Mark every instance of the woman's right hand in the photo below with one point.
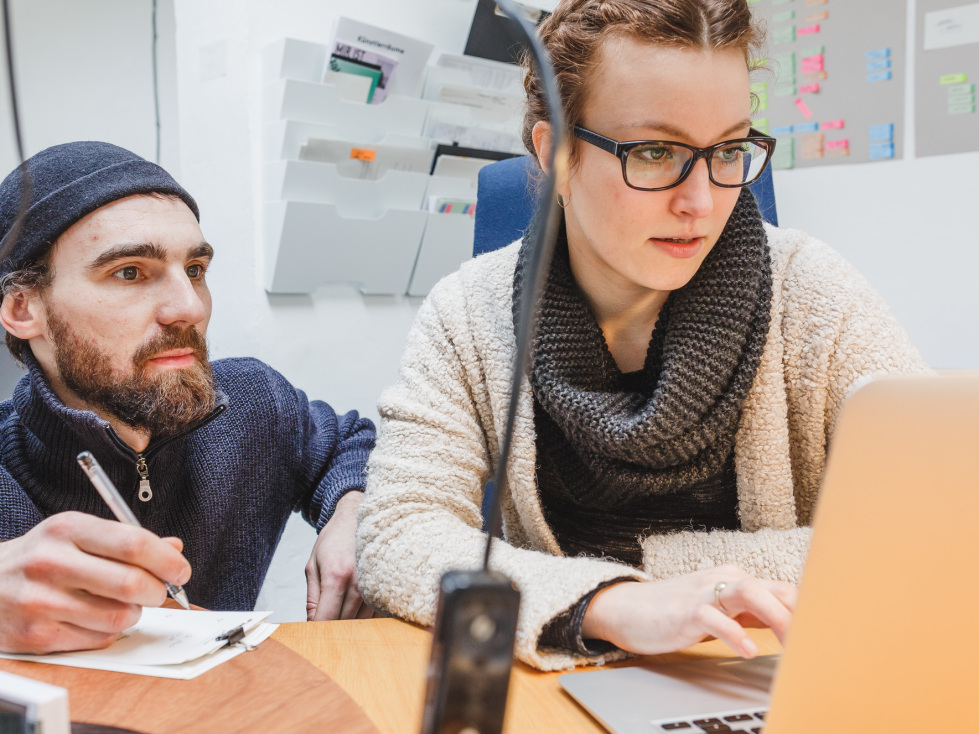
(655, 617)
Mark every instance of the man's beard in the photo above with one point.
(163, 405)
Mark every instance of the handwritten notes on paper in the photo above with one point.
(168, 643)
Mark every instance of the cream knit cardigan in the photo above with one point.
(441, 424)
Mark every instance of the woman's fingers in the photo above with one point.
(712, 621)
(747, 598)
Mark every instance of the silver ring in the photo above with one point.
(717, 597)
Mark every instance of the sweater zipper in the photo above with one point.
(145, 493)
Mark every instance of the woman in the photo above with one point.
(689, 366)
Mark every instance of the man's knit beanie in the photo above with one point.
(68, 182)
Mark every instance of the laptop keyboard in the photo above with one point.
(745, 722)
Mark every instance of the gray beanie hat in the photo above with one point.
(68, 182)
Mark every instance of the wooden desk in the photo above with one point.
(381, 664)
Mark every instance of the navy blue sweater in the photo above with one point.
(226, 488)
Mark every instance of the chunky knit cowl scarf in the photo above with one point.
(676, 432)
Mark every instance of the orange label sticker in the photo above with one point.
(362, 154)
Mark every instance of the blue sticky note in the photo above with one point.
(881, 53)
(807, 127)
(880, 76)
(784, 130)
(884, 131)
(878, 65)
(879, 151)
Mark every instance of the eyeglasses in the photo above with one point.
(655, 165)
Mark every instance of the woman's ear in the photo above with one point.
(21, 314)
(543, 140)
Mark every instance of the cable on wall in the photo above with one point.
(156, 83)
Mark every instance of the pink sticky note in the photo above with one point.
(807, 30)
(832, 125)
(813, 65)
(809, 88)
(814, 59)
(843, 143)
(803, 108)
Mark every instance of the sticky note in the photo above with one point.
(803, 108)
(811, 146)
(881, 53)
(814, 76)
(882, 131)
(760, 123)
(837, 148)
(362, 154)
(807, 67)
(809, 88)
(879, 76)
(762, 103)
(759, 87)
(816, 17)
(807, 30)
(878, 64)
(807, 127)
(786, 61)
(961, 89)
(784, 35)
(810, 3)
(841, 143)
(813, 51)
(783, 16)
(785, 90)
(957, 99)
(954, 79)
(832, 125)
(780, 2)
(961, 109)
(879, 151)
(782, 130)
(784, 156)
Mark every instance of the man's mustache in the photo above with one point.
(172, 337)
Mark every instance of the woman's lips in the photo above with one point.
(684, 248)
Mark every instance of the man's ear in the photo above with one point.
(22, 315)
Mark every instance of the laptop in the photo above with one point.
(885, 636)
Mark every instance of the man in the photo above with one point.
(105, 301)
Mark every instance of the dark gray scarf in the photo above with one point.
(679, 431)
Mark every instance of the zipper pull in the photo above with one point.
(145, 493)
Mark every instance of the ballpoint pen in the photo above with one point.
(121, 510)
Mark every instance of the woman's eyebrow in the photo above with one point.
(678, 133)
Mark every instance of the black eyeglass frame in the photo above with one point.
(621, 151)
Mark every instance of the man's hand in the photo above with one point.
(75, 581)
(331, 574)
(663, 616)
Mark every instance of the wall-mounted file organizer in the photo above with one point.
(358, 220)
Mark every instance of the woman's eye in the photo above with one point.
(653, 153)
(130, 272)
(730, 155)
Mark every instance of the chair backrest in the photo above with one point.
(507, 198)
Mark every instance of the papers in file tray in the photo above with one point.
(171, 643)
(366, 161)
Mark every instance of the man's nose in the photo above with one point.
(181, 303)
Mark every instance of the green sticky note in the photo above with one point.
(757, 63)
(780, 2)
(761, 123)
(785, 90)
(961, 89)
(955, 100)
(954, 79)
(783, 16)
(814, 51)
(786, 61)
(962, 109)
(759, 87)
(785, 34)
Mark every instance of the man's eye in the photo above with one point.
(130, 272)
(195, 271)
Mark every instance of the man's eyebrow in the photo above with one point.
(144, 250)
(202, 250)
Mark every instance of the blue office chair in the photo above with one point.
(507, 200)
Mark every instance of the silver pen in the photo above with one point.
(121, 510)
